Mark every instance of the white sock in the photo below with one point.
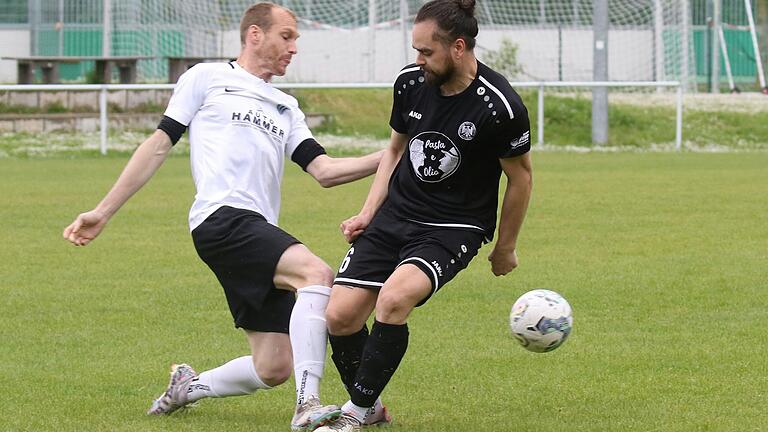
(357, 412)
(237, 377)
(308, 339)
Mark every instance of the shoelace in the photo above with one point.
(344, 420)
(308, 404)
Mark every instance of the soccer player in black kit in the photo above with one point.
(456, 126)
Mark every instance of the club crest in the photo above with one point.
(467, 131)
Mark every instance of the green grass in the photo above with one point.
(58, 108)
(75, 145)
(567, 123)
(567, 120)
(365, 113)
(662, 257)
(354, 111)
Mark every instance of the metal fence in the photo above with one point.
(540, 86)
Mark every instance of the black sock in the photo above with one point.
(346, 352)
(383, 351)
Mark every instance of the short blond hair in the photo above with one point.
(259, 15)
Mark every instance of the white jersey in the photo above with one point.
(241, 129)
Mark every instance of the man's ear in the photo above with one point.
(254, 34)
(458, 48)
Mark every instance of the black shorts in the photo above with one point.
(243, 249)
(388, 242)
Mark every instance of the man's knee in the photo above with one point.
(341, 321)
(271, 355)
(274, 372)
(317, 272)
(299, 267)
(393, 308)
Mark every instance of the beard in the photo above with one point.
(439, 78)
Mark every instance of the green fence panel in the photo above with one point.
(740, 52)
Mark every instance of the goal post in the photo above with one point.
(755, 46)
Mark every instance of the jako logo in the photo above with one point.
(363, 390)
(415, 115)
(437, 267)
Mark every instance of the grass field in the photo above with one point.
(662, 256)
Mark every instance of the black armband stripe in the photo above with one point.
(173, 128)
(306, 152)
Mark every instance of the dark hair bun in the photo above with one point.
(468, 6)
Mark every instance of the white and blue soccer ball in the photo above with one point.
(541, 320)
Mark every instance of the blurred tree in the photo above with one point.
(504, 60)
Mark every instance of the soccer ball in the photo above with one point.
(541, 320)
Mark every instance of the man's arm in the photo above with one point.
(352, 227)
(519, 174)
(140, 168)
(329, 171)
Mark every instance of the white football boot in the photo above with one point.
(312, 414)
(175, 395)
(346, 423)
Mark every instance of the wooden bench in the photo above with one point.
(179, 65)
(49, 66)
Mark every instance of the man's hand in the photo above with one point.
(85, 228)
(502, 261)
(353, 227)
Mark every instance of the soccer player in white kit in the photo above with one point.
(241, 130)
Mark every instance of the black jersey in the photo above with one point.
(449, 173)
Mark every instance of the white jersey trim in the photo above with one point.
(413, 69)
(503, 99)
(358, 281)
(446, 225)
(423, 261)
